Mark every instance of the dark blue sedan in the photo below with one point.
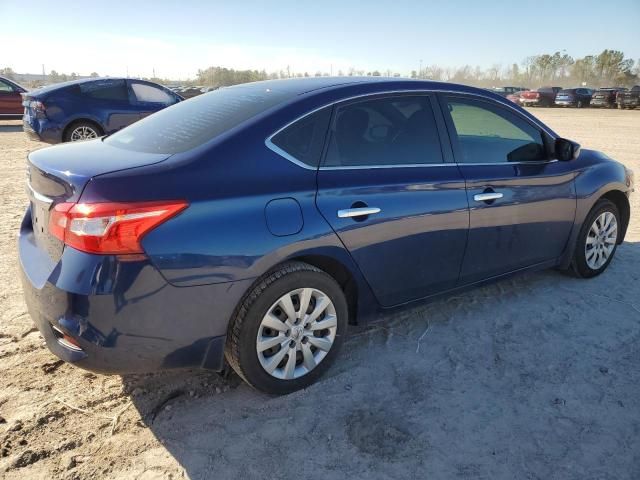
(254, 223)
(89, 108)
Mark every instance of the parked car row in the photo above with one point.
(90, 108)
(581, 97)
(82, 109)
(190, 92)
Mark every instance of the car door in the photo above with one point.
(393, 196)
(106, 99)
(10, 100)
(522, 203)
(148, 99)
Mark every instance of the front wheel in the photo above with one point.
(597, 240)
(288, 329)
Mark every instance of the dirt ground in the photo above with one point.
(533, 377)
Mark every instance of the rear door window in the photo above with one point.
(387, 131)
(112, 90)
(302, 141)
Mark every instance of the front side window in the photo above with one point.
(112, 90)
(388, 131)
(149, 94)
(303, 140)
(490, 134)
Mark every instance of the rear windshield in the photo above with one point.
(191, 123)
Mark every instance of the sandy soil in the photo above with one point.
(533, 377)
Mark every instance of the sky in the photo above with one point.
(175, 39)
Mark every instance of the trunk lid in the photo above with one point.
(59, 174)
(530, 95)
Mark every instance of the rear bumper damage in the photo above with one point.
(112, 315)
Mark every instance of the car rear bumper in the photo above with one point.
(123, 316)
(566, 103)
(41, 130)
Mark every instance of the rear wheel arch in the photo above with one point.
(79, 121)
(340, 274)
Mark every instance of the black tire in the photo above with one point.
(88, 124)
(579, 265)
(240, 349)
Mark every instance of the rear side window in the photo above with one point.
(149, 94)
(303, 140)
(490, 134)
(388, 131)
(5, 87)
(113, 90)
(189, 124)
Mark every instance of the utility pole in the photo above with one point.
(44, 75)
(420, 71)
(127, 71)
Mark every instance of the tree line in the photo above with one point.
(608, 68)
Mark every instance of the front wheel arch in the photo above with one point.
(621, 201)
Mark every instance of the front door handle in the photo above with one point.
(487, 197)
(358, 212)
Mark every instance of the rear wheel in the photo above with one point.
(597, 240)
(82, 130)
(288, 329)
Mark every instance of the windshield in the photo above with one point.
(191, 123)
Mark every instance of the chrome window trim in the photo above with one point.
(374, 167)
(271, 146)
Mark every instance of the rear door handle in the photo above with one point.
(485, 197)
(358, 212)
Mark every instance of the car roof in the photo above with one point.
(56, 86)
(293, 87)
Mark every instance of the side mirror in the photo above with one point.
(566, 150)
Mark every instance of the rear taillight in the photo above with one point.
(109, 228)
(38, 108)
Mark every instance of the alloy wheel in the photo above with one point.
(601, 240)
(83, 133)
(296, 333)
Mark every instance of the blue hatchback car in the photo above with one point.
(254, 223)
(89, 108)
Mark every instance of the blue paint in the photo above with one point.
(250, 209)
(283, 217)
